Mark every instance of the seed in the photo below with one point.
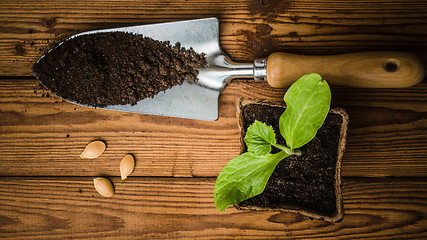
(126, 166)
(93, 150)
(103, 186)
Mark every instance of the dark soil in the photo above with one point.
(115, 68)
(307, 180)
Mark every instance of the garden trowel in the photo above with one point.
(200, 100)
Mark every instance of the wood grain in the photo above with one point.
(44, 136)
(249, 29)
(46, 190)
(365, 70)
(166, 208)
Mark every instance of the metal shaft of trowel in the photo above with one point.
(222, 70)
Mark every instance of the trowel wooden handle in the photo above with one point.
(367, 69)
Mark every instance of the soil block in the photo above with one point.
(115, 68)
(309, 184)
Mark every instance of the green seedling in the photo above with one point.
(307, 105)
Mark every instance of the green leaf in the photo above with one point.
(244, 177)
(307, 105)
(259, 138)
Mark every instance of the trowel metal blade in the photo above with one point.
(200, 34)
(189, 100)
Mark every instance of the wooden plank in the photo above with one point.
(42, 136)
(166, 208)
(249, 29)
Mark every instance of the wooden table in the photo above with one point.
(46, 189)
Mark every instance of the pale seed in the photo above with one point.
(103, 186)
(126, 166)
(93, 150)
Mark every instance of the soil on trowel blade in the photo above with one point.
(115, 68)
